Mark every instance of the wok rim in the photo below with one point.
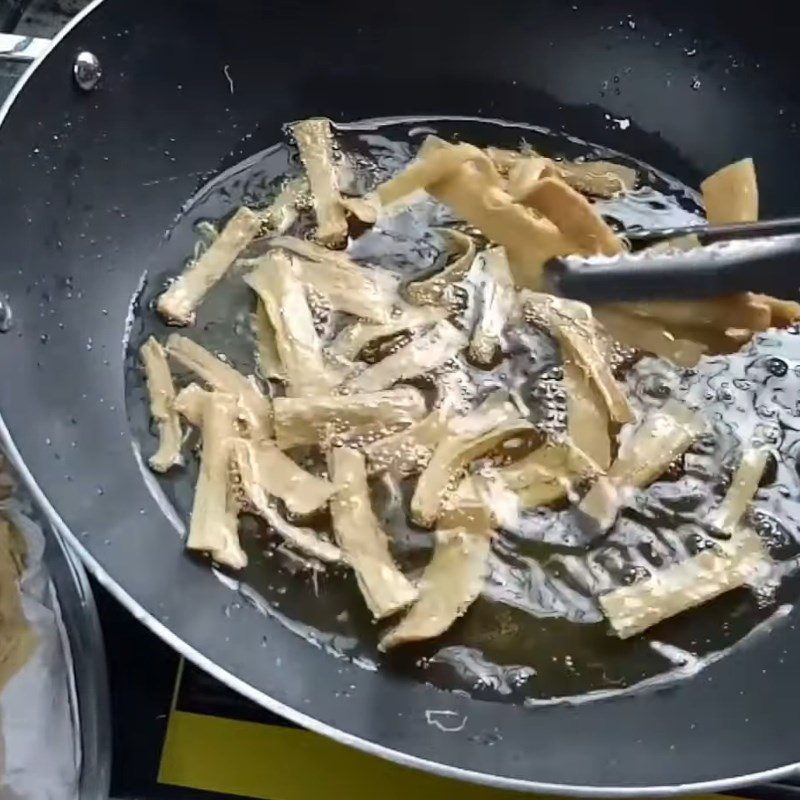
(264, 700)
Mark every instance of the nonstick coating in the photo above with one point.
(90, 182)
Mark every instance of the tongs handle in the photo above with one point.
(709, 234)
(773, 269)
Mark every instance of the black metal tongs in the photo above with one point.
(773, 268)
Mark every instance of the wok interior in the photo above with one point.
(536, 634)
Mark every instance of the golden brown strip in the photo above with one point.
(734, 311)
(425, 352)
(277, 284)
(257, 465)
(190, 402)
(431, 290)
(315, 144)
(529, 241)
(574, 216)
(663, 435)
(465, 179)
(269, 359)
(587, 416)
(365, 209)
(596, 178)
(546, 475)
(214, 521)
(253, 407)
(728, 514)
(354, 338)
(408, 451)
(632, 609)
(364, 544)
(497, 303)
(282, 212)
(178, 303)
(279, 476)
(309, 420)
(370, 293)
(649, 335)
(18, 640)
(162, 406)
(436, 160)
(525, 174)
(449, 585)
(573, 325)
(731, 193)
(467, 439)
(782, 312)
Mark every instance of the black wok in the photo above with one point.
(90, 181)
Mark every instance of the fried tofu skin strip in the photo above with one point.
(190, 402)
(254, 408)
(666, 593)
(277, 474)
(436, 160)
(467, 439)
(525, 173)
(315, 144)
(574, 216)
(162, 406)
(178, 303)
(595, 178)
(431, 291)
(354, 338)
(663, 435)
(449, 585)
(365, 209)
(282, 212)
(727, 516)
(214, 522)
(718, 313)
(782, 312)
(731, 194)
(505, 160)
(269, 469)
(573, 325)
(587, 416)
(369, 293)
(408, 451)
(497, 303)
(278, 286)
(718, 325)
(481, 501)
(547, 474)
(301, 421)
(649, 335)
(257, 465)
(467, 181)
(269, 360)
(530, 241)
(423, 353)
(364, 544)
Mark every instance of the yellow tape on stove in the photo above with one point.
(267, 762)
